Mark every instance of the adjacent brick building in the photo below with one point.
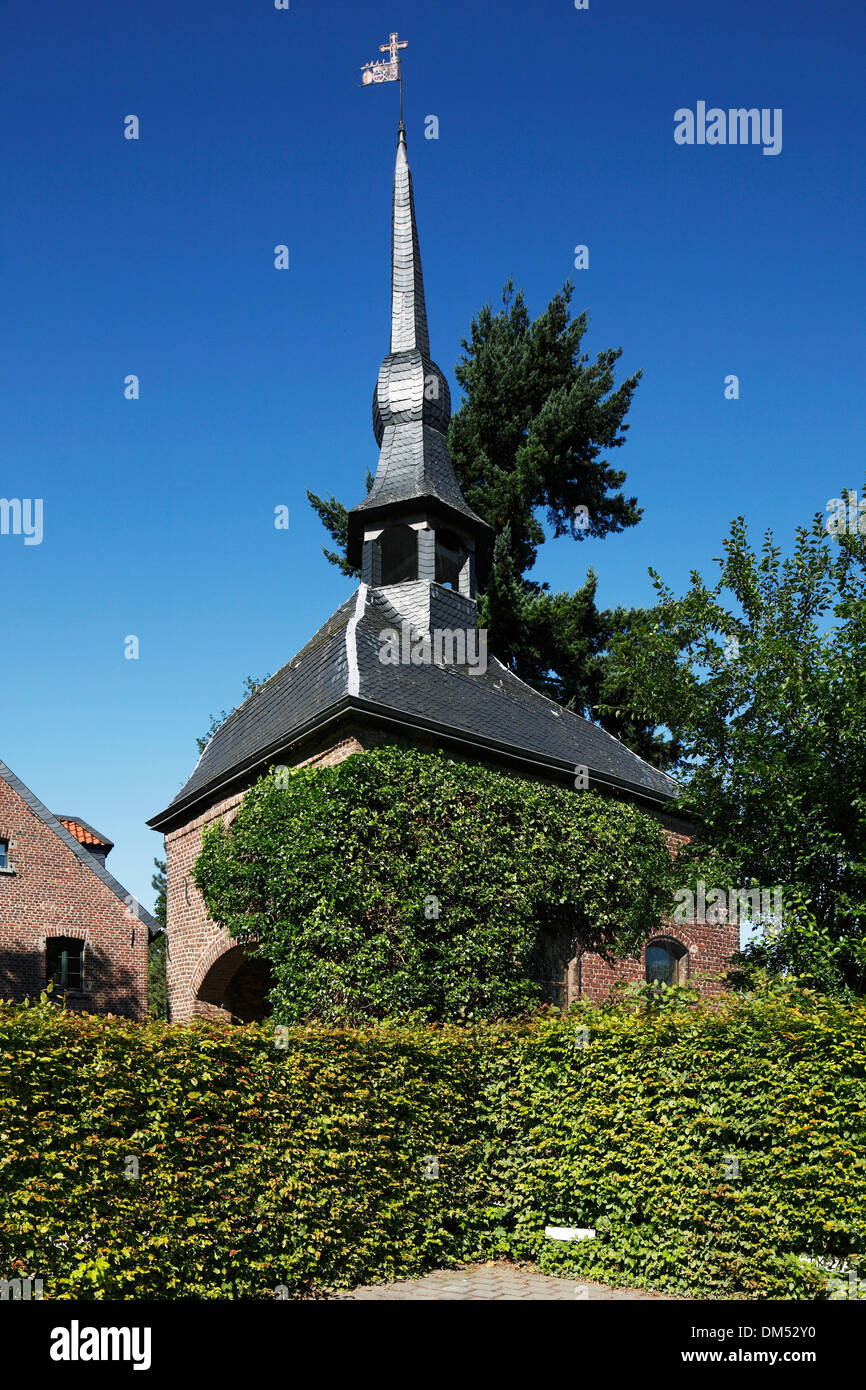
(64, 920)
(419, 547)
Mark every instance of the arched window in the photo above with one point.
(666, 962)
(398, 550)
(451, 556)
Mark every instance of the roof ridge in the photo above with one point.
(354, 683)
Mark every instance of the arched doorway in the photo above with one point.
(238, 982)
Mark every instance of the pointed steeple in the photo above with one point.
(415, 482)
(408, 310)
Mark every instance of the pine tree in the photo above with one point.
(528, 442)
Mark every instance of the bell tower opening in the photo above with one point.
(451, 560)
(398, 555)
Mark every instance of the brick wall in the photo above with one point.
(708, 948)
(52, 893)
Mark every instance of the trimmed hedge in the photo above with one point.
(709, 1147)
(307, 1165)
(258, 1165)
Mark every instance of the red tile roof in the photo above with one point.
(84, 833)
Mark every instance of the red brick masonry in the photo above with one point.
(49, 891)
(709, 947)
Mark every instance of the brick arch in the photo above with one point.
(232, 979)
(668, 932)
(208, 958)
(668, 936)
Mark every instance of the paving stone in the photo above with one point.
(491, 1282)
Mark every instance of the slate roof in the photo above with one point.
(94, 864)
(339, 671)
(411, 402)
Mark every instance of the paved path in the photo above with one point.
(493, 1281)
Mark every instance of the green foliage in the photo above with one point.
(157, 992)
(335, 519)
(258, 1166)
(709, 1145)
(762, 680)
(158, 884)
(302, 1165)
(536, 418)
(400, 883)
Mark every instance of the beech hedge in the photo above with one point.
(710, 1144)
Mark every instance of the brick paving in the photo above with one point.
(491, 1282)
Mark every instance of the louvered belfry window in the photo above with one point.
(451, 556)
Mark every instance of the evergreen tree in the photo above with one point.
(528, 445)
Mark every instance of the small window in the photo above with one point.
(398, 550)
(451, 556)
(4, 854)
(64, 960)
(666, 963)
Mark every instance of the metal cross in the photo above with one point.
(392, 46)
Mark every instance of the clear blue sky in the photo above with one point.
(155, 257)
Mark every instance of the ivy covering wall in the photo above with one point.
(401, 883)
(710, 1144)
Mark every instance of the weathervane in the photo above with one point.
(387, 69)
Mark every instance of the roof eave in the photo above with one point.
(179, 813)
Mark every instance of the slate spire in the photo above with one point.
(408, 309)
(412, 402)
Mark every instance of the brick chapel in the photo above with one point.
(417, 544)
